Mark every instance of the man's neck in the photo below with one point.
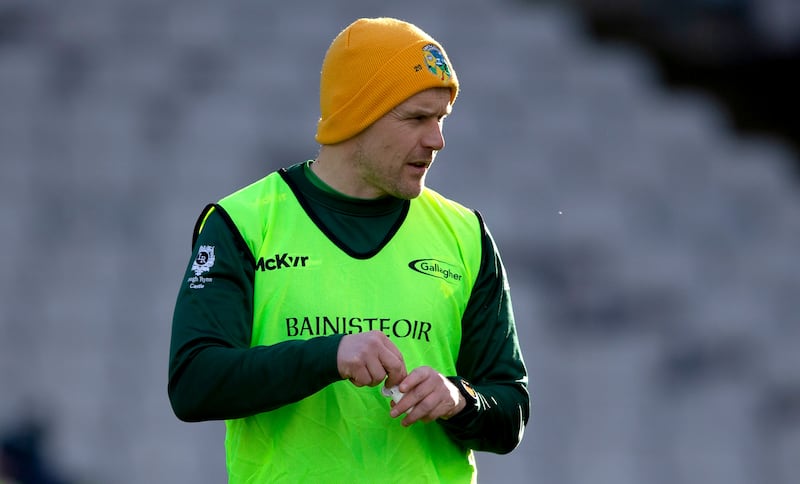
(333, 167)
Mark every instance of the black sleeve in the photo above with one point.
(490, 359)
(213, 372)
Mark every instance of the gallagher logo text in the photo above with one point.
(436, 268)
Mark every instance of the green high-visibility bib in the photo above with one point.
(414, 290)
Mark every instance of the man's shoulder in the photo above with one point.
(430, 195)
(260, 189)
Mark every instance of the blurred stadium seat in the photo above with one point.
(652, 249)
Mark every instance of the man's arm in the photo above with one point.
(491, 362)
(213, 372)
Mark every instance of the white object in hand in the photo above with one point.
(394, 393)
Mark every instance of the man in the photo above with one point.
(325, 286)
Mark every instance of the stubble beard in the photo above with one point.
(390, 183)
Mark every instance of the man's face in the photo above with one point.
(393, 155)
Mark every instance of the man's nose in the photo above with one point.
(434, 137)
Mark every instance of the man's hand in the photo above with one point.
(428, 395)
(367, 359)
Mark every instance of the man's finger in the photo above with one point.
(395, 368)
(377, 372)
(393, 363)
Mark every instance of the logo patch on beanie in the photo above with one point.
(435, 61)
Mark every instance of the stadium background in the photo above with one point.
(635, 159)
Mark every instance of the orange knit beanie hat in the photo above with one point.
(372, 66)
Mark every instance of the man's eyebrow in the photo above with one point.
(433, 112)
